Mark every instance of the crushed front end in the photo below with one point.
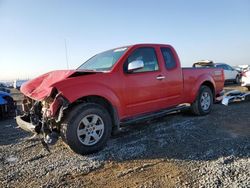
(43, 105)
(42, 117)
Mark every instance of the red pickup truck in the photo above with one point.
(114, 88)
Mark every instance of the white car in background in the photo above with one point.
(245, 79)
(230, 73)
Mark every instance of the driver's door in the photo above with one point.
(144, 91)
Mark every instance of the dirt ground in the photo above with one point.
(178, 150)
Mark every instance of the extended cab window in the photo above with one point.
(169, 59)
(145, 54)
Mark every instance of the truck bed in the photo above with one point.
(191, 77)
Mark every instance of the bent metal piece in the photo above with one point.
(233, 96)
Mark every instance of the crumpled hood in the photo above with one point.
(40, 87)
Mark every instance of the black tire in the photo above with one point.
(248, 87)
(196, 107)
(70, 128)
(237, 79)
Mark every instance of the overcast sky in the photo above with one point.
(32, 33)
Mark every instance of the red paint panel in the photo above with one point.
(131, 94)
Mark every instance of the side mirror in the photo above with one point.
(134, 65)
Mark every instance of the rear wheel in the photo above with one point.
(87, 128)
(237, 79)
(204, 101)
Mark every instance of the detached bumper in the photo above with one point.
(24, 124)
(220, 96)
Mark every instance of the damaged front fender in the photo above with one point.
(52, 107)
(58, 106)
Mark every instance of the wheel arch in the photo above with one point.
(105, 103)
(203, 80)
(210, 85)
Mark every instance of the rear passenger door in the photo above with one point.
(173, 82)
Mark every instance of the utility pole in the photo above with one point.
(66, 53)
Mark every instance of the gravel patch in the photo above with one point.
(228, 171)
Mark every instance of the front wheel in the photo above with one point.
(86, 128)
(204, 101)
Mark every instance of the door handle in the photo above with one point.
(160, 77)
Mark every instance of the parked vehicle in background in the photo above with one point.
(230, 73)
(7, 105)
(245, 80)
(4, 88)
(204, 64)
(18, 83)
(9, 84)
(114, 88)
(241, 68)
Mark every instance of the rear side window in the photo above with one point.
(169, 59)
(220, 66)
(229, 68)
(148, 56)
(225, 67)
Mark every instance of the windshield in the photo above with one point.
(103, 61)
